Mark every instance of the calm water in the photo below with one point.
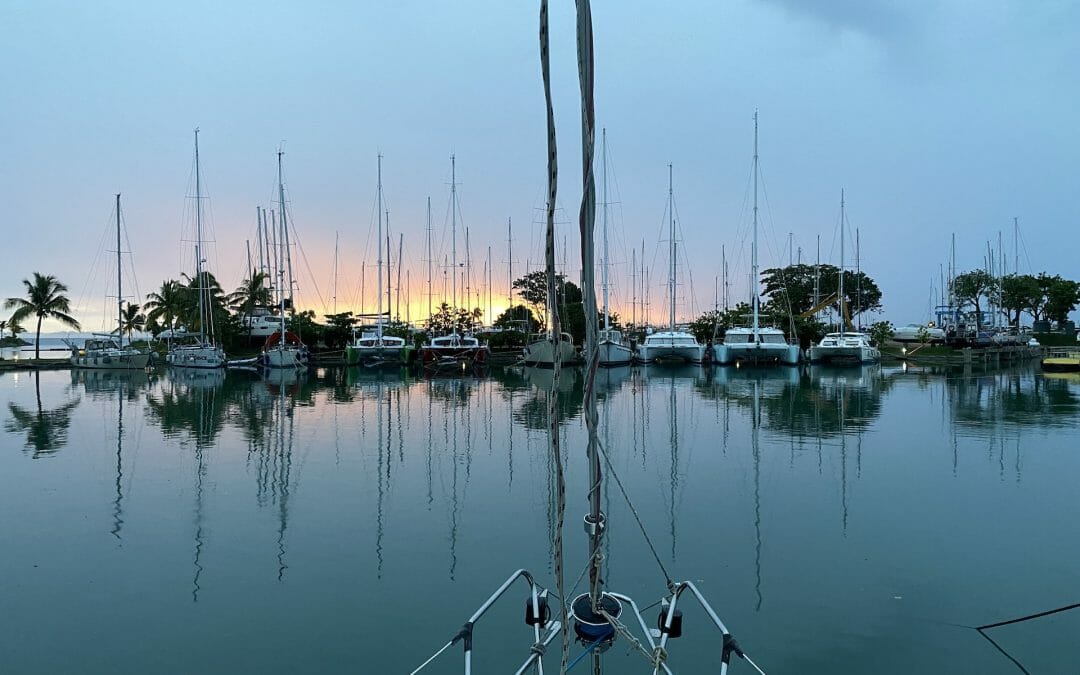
(842, 521)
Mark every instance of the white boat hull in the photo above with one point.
(676, 347)
(852, 355)
(122, 359)
(613, 354)
(288, 357)
(541, 353)
(196, 357)
(761, 353)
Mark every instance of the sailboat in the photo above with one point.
(599, 616)
(373, 348)
(755, 344)
(454, 351)
(283, 349)
(198, 349)
(106, 351)
(848, 346)
(614, 348)
(672, 344)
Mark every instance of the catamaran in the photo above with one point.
(672, 344)
(846, 346)
(198, 349)
(373, 347)
(755, 344)
(107, 351)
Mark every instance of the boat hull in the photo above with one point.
(196, 357)
(760, 354)
(541, 353)
(287, 357)
(844, 355)
(658, 352)
(377, 356)
(121, 360)
(613, 354)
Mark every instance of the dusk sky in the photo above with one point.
(942, 117)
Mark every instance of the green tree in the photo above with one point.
(253, 292)
(131, 319)
(971, 287)
(881, 332)
(1019, 293)
(166, 305)
(518, 317)
(1062, 297)
(448, 320)
(791, 289)
(44, 299)
(338, 329)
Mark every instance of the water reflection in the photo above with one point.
(46, 429)
(533, 412)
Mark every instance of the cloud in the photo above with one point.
(886, 20)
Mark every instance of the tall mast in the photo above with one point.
(491, 319)
(397, 305)
(723, 267)
(453, 234)
(1016, 245)
(378, 259)
(198, 246)
(259, 235)
(671, 265)
(266, 242)
(510, 263)
(858, 277)
(389, 266)
(429, 256)
(754, 263)
(644, 282)
(840, 284)
(633, 287)
(119, 280)
(603, 151)
(335, 269)
(282, 245)
(817, 274)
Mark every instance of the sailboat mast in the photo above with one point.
(283, 243)
(198, 246)
(378, 259)
(671, 235)
(510, 263)
(119, 280)
(633, 287)
(840, 283)
(603, 151)
(453, 235)
(754, 261)
(397, 302)
(723, 267)
(429, 257)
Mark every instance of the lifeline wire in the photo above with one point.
(1008, 622)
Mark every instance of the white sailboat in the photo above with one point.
(756, 344)
(614, 349)
(847, 347)
(372, 347)
(107, 351)
(283, 349)
(672, 344)
(198, 349)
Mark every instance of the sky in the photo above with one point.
(936, 118)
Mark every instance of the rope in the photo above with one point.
(583, 654)
(1008, 622)
(549, 256)
(637, 518)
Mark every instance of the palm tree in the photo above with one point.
(131, 320)
(253, 292)
(166, 305)
(44, 299)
